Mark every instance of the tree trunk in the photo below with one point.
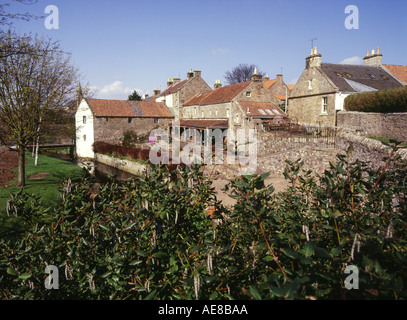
(37, 147)
(21, 166)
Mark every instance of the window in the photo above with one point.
(107, 119)
(349, 75)
(339, 75)
(195, 110)
(155, 120)
(309, 84)
(385, 77)
(371, 76)
(237, 118)
(227, 113)
(84, 119)
(129, 120)
(262, 111)
(248, 94)
(84, 137)
(324, 104)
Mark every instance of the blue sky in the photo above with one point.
(124, 45)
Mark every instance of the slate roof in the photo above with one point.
(261, 109)
(223, 94)
(204, 124)
(374, 77)
(125, 108)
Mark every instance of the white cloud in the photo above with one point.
(221, 51)
(352, 60)
(116, 90)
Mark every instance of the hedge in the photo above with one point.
(121, 151)
(383, 101)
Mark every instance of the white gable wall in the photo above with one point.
(85, 135)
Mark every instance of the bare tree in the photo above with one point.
(241, 73)
(6, 18)
(34, 85)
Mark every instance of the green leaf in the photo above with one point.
(159, 254)
(308, 250)
(256, 295)
(151, 296)
(293, 288)
(11, 271)
(24, 276)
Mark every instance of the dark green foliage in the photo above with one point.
(383, 101)
(154, 238)
(135, 96)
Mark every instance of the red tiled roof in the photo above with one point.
(399, 71)
(269, 83)
(154, 109)
(197, 98)
(173, 88)
(110, 108)
(223, 94)
(281, 96)
(261, 109)
(125, 108)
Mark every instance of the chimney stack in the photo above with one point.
(156, 92)
(314, 60)
(256, 76)
(374, 58)
(190, 74)
(218, 84)
(170, 82)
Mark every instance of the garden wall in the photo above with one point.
(388, 125)
(129, 166)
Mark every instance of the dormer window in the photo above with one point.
(371, 76)
(385, 77)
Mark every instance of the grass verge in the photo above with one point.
(53, 170)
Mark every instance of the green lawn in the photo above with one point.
(48, 187)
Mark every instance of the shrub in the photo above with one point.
(384, 101)
(157, 238)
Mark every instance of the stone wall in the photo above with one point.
(111, 129)
(273, 153)
(132, 167)
(388, 125)
(306, 99)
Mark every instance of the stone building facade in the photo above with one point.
(323, 87)
(178, 92)
(279, 88)
(243, 105)
(107, 120)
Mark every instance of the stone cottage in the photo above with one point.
(279, 88)
(178, 92)
(107, 120)
(245, 105)
(322, 88)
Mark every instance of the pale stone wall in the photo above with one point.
(306, 99)
(388, 125)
